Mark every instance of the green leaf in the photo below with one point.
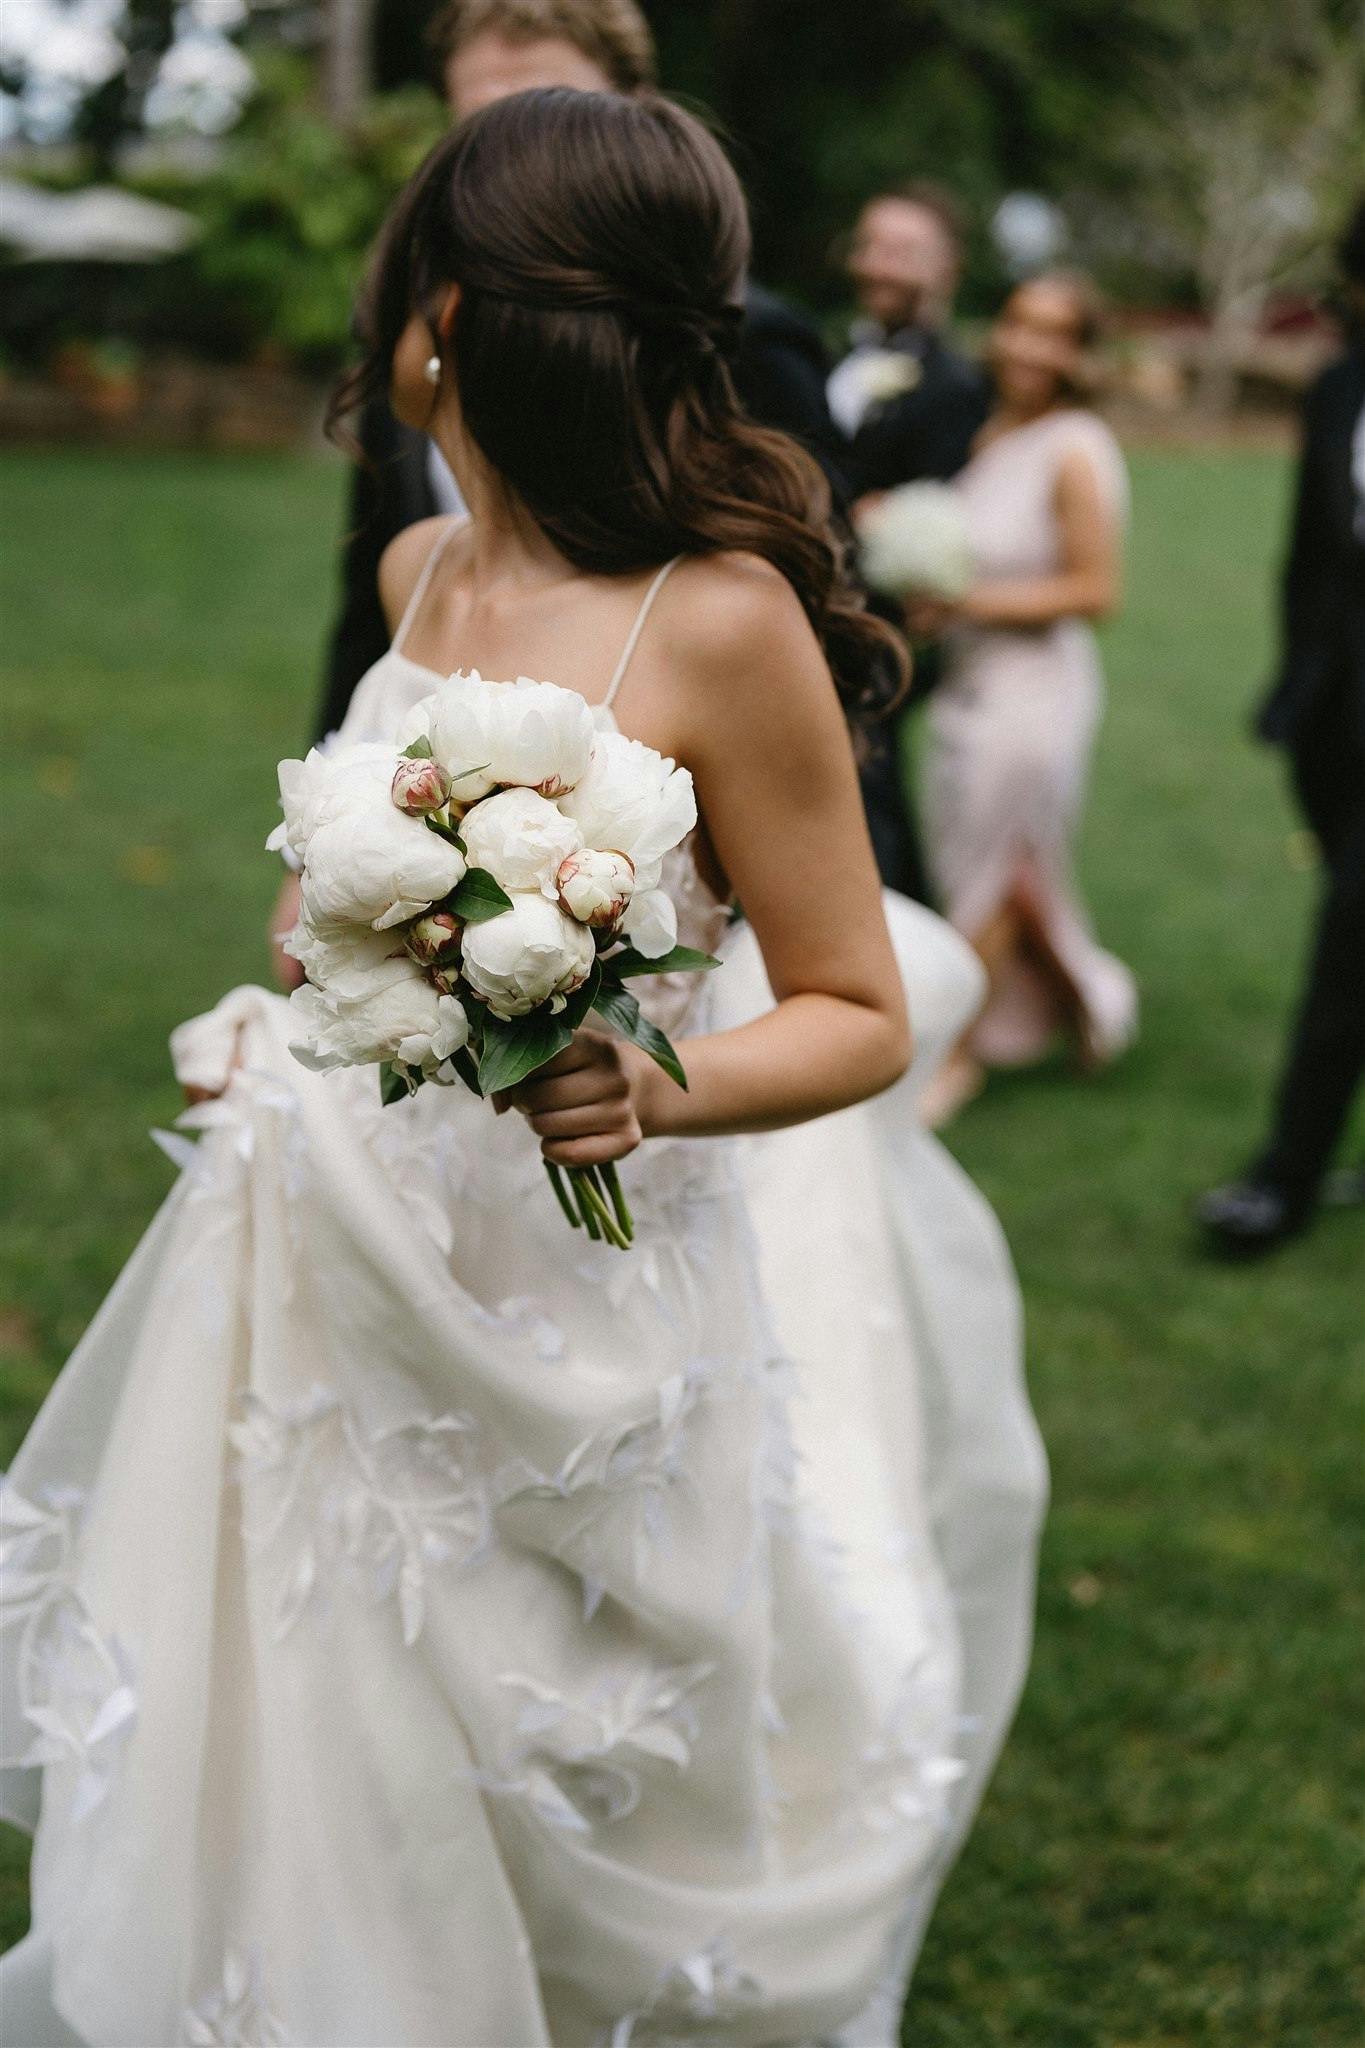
(467, 1067)
(420, 750)
(478, 898)
(623, 1013)
(682, 960)
(397, 1082)
(443, 829)
(513, 1050)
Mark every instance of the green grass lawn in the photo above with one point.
(1168, 1854)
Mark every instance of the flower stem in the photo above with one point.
(619, 1203)
(562, 1195)
(585, 1209)
(607, 1223)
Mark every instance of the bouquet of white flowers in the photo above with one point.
(471, 893)
(913, 543)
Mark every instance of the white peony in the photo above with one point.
(914, 543)
(595, 887)
(520, 838)
(633, 801)
(526, 956)
(371, 863)
(434, 938)
(521, 735)
(454, 720)
(406, 1020)
(316, 789)
(541, 736)
(420, 786)
(651, 924)
(350, 962)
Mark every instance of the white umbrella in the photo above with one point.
(99, 224)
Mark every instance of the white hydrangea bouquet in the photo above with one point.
(471, 893)
(912, 542)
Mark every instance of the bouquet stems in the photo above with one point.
(618, 1200)
(592, 1199)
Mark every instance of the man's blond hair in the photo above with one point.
(612, 34)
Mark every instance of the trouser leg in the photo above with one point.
(1327, 1053)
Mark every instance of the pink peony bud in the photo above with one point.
(420, 786)
(595, 887)
(432, 938)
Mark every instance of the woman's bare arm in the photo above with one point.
(1087, 585)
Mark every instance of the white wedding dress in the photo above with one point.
(428, 1629)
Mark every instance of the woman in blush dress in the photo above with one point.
(1013, 723)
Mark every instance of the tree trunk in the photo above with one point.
(347, 58)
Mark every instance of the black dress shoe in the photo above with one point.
(1250, 1217)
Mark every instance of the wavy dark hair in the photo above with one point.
(600, 244)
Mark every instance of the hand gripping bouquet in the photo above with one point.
(913, 542)
(471, 894)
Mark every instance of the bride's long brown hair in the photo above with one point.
(600, 245)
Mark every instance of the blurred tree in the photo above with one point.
(112, 111)
(823, 104)
(1244, 151)
(826, 104)
(292, 207)
(347, 58)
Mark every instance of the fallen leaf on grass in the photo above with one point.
(150, 866)
(18, 1332)
(57, 777)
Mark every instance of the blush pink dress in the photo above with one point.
(1012, 727)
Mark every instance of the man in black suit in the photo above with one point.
(909, 403)
(910, 406)
(1316, 712)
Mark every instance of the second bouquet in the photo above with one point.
(473, 893)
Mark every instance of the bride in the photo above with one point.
(429, 1629)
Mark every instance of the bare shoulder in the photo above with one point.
(1089, 456)
(402, 563)
(736, 613)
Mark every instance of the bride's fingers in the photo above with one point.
(598, 1150)
(584, 1119)
(586, 1051)
(595, 1083)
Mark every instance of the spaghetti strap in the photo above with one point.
(419, 588)
(646, 607)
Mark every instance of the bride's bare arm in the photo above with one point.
(761, 728)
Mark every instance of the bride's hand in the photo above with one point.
(586, 1106)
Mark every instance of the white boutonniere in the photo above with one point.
(889, 373)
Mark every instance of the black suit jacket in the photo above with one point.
(780, 371)
(925, 433)
(1323, 595)
(390, 491)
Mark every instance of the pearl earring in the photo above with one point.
(432, 370)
